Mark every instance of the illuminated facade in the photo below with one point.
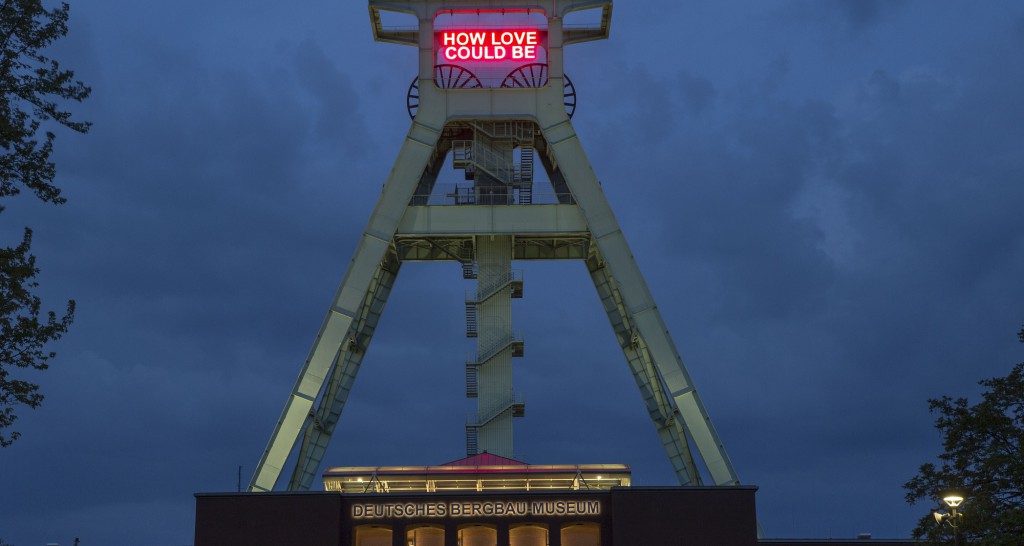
(619, 516)
(484, 472)
(509, 502)
(483, 500)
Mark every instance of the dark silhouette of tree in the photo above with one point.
(32, 89)
(983, 458)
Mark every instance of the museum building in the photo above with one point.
(487, 500)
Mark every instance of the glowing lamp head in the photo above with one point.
(952, 500)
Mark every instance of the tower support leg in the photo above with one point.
(320, 424)
(660, 366)
(330, 345)
(670, 428)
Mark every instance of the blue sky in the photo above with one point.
(824, 195)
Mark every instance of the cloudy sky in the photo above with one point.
(825, 197)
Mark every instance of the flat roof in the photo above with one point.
(381, 471)
(483, 463)
(483, 472)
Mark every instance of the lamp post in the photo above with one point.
(953, 500)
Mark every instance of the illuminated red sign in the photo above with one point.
(488, 49)
(489, 45)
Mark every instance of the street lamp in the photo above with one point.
(953, 500)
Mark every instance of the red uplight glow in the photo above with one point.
(489, 45)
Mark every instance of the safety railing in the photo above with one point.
(469, 194)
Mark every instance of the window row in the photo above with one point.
(472, 534)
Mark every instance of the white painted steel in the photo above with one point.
(670, 430)
(409, 166)
(637, 302)
(664, 383)
(320, 427)
(480, 219)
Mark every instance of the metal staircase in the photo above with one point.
(472, 439)
(513, 281)
(513, 403)
(526, 173)
(515, 341)
(501, 175)
(488, 159)
(473, 366)
(472, 384)
(468, 262)
(472, 329)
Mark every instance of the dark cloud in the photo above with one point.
(863, 13)
(698, 93)
(851, 16)
(339, 118)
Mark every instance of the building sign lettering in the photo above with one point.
(472, 509)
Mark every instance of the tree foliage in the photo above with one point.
(982, 456)
(22, 334)
(32, 89)
(32, 86)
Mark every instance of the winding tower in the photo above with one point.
(492, 94)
